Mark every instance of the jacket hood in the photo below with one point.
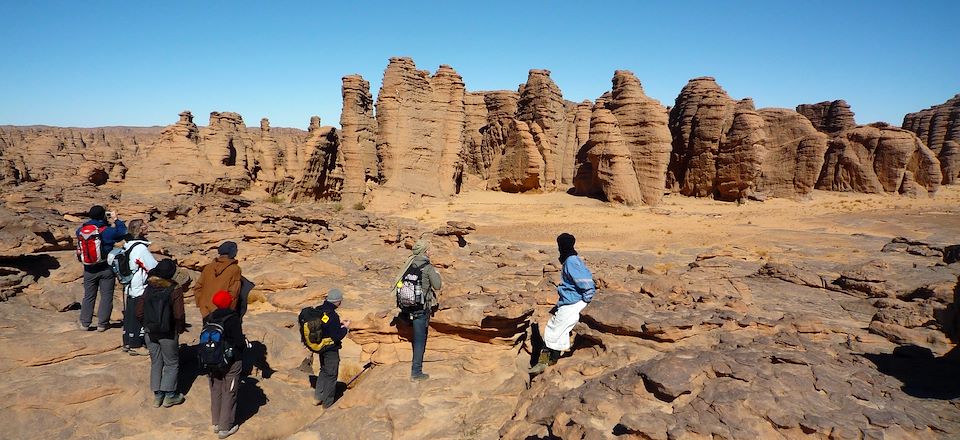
(156, 281)
(221, 264)
(419, 260)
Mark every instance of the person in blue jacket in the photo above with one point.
(576, 290)
(97, 275)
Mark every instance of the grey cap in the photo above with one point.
(334, 295)
(228, 248)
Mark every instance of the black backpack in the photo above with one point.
(311, 321)
(158, 311)
(214, 352)
(121, 264)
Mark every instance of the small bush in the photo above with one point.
(276, 199)
(338, 207)
(359, 206)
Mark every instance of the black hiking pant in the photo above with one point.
(327, 377)
(132, 330)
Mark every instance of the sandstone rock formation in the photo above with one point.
(877, 159)
(612, 174)
(541, 103)
(67, 154)
(475, 113)
(357, 129)
(501, 108)
(420, 129)
(629, 132)
(729, 150)
(702, 114)
(521, 166)
(939, 128)
(830, 117)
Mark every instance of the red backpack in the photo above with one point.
(89, 245)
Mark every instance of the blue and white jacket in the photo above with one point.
(576, 282)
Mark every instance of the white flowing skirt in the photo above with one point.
(557, 334)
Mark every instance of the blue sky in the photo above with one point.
(102, 63)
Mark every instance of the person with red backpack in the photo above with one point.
(95, 239)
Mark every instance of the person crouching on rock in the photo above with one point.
(575, 290)
(160, 311)
(224, 383)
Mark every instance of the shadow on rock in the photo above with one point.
(923, 375)
(250, 397)
(255, 360)
(189, 368)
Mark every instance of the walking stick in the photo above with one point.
(357, 376)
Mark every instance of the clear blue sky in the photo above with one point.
(96, 63)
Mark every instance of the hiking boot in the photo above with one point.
(173, 399)
(83, 328)
(138, 351)
(101, 329)
(125, 348)
(419, 377)
(216, 429)
(542, 362)
(157, 400)
(225, 434)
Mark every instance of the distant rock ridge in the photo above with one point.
(424, 134)
(939, 128)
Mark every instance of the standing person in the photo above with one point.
(223, 273)
(140, 262)
(160, 310)
(575, 290)
(333, 330)
(95, 238)
(421, 279)
(224, 384)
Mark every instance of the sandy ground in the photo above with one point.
(680, 225)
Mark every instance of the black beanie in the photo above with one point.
(97, 212)
(166, 268)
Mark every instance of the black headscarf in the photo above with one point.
(565, 244)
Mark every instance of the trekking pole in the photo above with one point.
(355, 377)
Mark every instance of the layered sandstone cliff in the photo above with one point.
(939, 128)
(420, 129)
(501, 107)
(879, 159)
(728, 150)
(629, 146)
(703, 112)
(830, 117)
(357, 130)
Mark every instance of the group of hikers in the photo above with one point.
(154, 316)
